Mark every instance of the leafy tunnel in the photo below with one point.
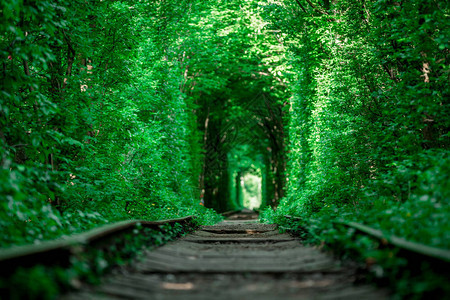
(236, 143)
(240, 101)
(324, 110)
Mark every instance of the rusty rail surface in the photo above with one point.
(386, 239)
(58, 251)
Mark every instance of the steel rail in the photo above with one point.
(231, 212)
(60, 250)
(418, 248)
(434, 252)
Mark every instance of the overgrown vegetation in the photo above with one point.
(368, 124)
(408, 275)
(369, 114)
(50, 281)
(94, 125)
(112, 110)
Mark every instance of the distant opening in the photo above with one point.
(251, 190)
(244, 152)
(246, 168)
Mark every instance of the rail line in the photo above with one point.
(59, 252)
(425, 251)
(238, 258)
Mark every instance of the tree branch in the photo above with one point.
(70, 59)
(26, 69)
(315, 8)
(301, 6)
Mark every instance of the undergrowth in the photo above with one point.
(409, 276)
(48, 282)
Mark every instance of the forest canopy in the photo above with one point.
(113, 110)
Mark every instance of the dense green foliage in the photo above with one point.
(233, 82)
(115, 110)
(369, 114)
(145, 109)
(368, 125)
(93, 124)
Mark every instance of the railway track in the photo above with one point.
(94, 251)
(424, 271)
(426, 252)
(237, 258)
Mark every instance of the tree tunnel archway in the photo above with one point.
(234, 78)
(243, 144)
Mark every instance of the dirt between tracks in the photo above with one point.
(234, 259)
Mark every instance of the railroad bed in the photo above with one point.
(235, 259)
